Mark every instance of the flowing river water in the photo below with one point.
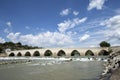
(52, 69)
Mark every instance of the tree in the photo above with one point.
(18, 44)
(15, 46)
(1, 50)
(104, 44)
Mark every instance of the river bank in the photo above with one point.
(112, 68)
(116, 75)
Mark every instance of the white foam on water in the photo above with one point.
(50, 58)
(43, 64)
(62, 59)
(34, 64)
(105, 60)
(49, 63)
(99, 59)
(85, 59)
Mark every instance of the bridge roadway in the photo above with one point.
(55, 52)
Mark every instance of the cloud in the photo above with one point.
(117, 11)
(2, 40)
(45, 39)
(27, 27)
(98, 4)
(37, 28)
(113, 28)
(117, 44)
(84, 37)
(6, 30)
(9, 24)
(75, 13)
(63, 26)
(90, 25)
(93, 46)
(65, 12)
(61, 38)
(14, 36)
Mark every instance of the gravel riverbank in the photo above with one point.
(112, 68)
(115, 75)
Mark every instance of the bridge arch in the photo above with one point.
(19, 54)
(48, 53)
(27, 53)
(89, 53)
(36, 53)
(103, 52)
(11, 54)
(75, 53)
(61, 53)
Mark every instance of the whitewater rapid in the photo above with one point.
(56, 59)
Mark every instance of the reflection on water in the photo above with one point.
(52, 69)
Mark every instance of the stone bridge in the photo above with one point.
(56, 52)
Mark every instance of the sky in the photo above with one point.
(60, 23)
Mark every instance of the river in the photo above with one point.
(52, 69)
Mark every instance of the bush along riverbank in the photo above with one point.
(112, 67)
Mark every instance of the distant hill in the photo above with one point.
(15, 46)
